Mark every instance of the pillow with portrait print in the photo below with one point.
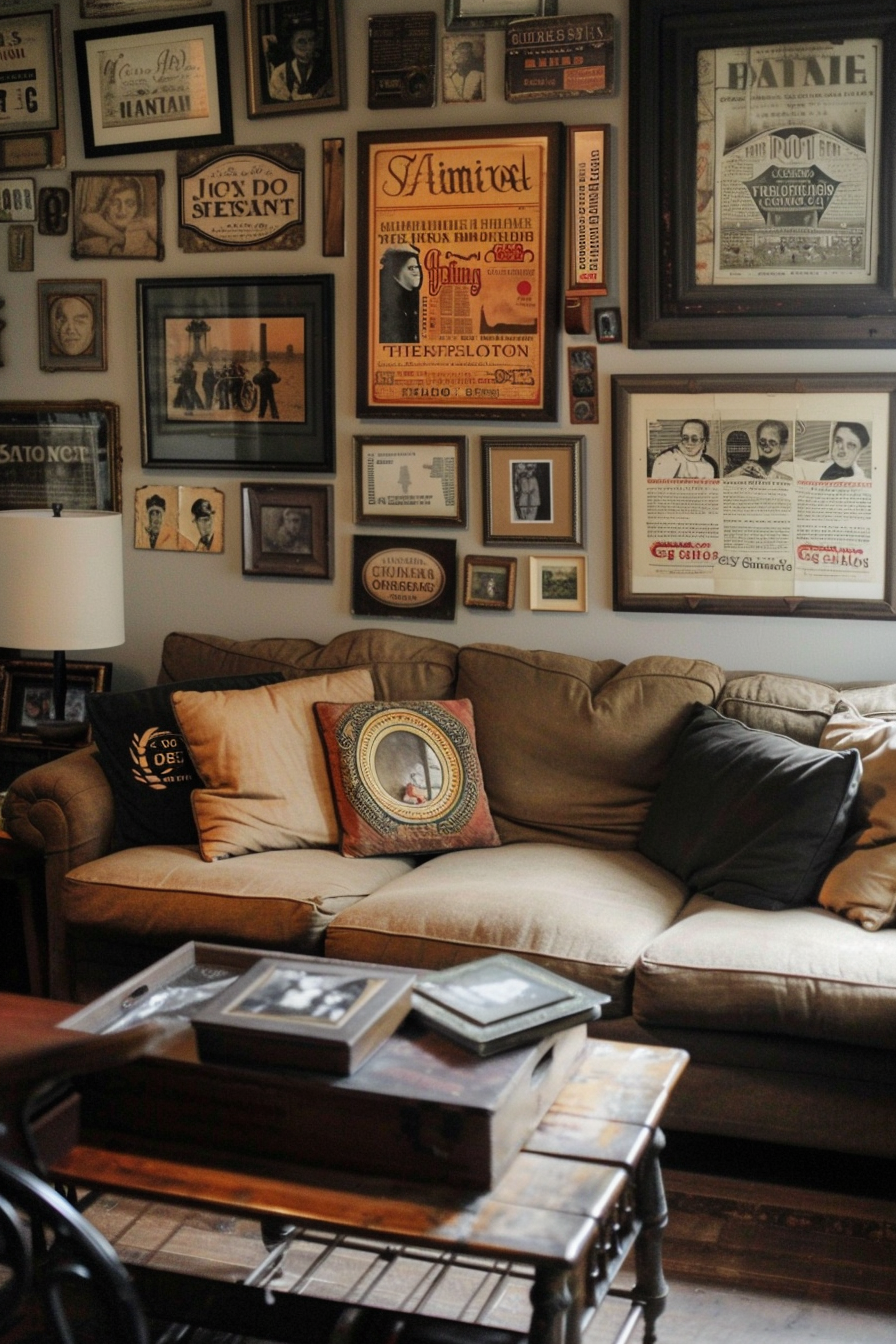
(406, 777)
(145, 759)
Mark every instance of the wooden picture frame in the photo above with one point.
(414, 479)
(117, 216)
(111, 9)
(490, 581)
(533, 490)
(129, 107)
(288, 530)
(28, 696)
(71, 319)
(768, 221)
(558, 583)
(66, 452)
(273, 88)
(494, 13)
(238, 374)
(465, 327)
(769, 494)
(32, 120)
(404, 578)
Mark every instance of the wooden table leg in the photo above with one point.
(650, 1287)
(551, 1300)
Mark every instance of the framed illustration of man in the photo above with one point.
(295, 56)
(72, 325)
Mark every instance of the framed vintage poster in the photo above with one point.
(157, 85)
(558, 583)
(570, 57)
(237, 374)
(457, 272)
(66, 452)
(494, 13)
(760, 494)
(27, 696)
(288, 530)
(762, 172)
(416, 479)
(405, 578)
(72, 325)
(239, 199)
(490, 581)
(32, 125)
(295, 56)
(533, 491)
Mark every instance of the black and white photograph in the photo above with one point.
(300, 995)
(288, 530)
(531, 488)
(463, 68)
(609, 325)
(72, 325)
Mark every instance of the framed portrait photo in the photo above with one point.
(532, 490)
(68, 452)
(72, 325)
(416, 479)
(558, 583)
(117, 216)
(295, 56)
(490, 581)
(27, 696)
(151, 86)
(32, 124)
(237, 374)
(288, 530)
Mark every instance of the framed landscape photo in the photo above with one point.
(532, 491)
(494, 13)
(416, 479)
(288, 530)
(458, 272)
(32, 124)
(755, 495)
(295, 56)
(156, 85)
(66, 452)
(762, 165)
(72, 325)
(28, 696)
(490, 581)
(237, 374)
(558, 583)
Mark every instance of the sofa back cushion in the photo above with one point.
(573, 750)
(797, 707)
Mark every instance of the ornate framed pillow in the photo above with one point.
(406, 777)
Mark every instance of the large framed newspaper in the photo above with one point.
(458, 272)
(758, 494)
(763, 163)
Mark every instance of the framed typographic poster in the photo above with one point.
(66, 452)
(762, 161)
(458, 272)
(416, 479)
(246, 198)
(32, 126)
(759, 494)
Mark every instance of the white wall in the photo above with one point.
(170, 591)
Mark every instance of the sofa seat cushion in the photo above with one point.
(796, 706)
(282, 898)
(802, 972)
(583, 913)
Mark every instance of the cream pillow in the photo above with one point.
(862, 886)
(260, 758)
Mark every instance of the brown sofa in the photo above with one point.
(789, 1016)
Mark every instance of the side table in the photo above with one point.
(21, 868)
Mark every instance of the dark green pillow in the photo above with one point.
(146, 762)
(749, 816)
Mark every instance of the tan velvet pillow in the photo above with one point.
(862, 886)
(260, 758)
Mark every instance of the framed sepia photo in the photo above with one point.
(72, 325)
(179, 518)
(463, 326)
(494, 13)
(532, 489)
(238, 374)
(417, 479)
(288, 530)
(295, 56)
(490, 581)
(558, 583)
(463, 67)
(27, 691)
(32, 122)
(151, 86)
(117, 216)
(755, 495)
(763, 161)
(66, 452)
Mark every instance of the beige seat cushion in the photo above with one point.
(284, 898)
(583, 913)
(799, 972)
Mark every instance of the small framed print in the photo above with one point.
(420, 480)
(490, 581)
(404, 578)
(582, 375)
(179, 518)
(72, 325)
(117, 216)
(401, 60)
(463, 68)
(27, 696)
(18, 202)
(532, 491)
(608, 324)
(295, 56)
(494, 13)
(20, 247)
(288, 531)
(557, 583)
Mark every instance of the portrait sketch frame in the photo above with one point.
(414, 458)
(238, 429)
(37, 138)
(460, 14)
(117, 238)
(780, 273)
(70, 453)
(92, 295)
(306, 555)
(549, 591)
(823, 564)
(554, 504)
(490, 581)
(139, 46)
(27, 677)
(259, 72)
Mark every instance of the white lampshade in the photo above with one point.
(61, 580)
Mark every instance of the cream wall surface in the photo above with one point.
(171, 591)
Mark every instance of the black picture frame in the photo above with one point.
(266, 28)
(230, 324)
(668, 307)
(460, 15)
(404, 578)
(70, 453)
(288, 531)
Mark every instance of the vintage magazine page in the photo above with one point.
(760, 496)
(788, 164)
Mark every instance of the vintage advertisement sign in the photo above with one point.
(458, 267)
(587, 193)
(153, 82)
(570, 57)
(250, 198)
(58, 455)
(398, 576)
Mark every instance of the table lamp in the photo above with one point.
(61, 588)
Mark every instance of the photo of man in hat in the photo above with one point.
(154, 511)
(200, 521)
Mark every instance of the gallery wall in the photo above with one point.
(172, 591)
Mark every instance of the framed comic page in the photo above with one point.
(458, 272)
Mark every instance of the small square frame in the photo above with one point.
(490, 581)
(29, 681)
(542, 574)
(59, 325)
(93, 235)
(548, 513)
(268, 549)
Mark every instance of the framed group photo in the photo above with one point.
(288, 530)
(295, 56)
(533, 491)
(72, 325)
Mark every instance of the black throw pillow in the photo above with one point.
(749, 816)
(145, 759)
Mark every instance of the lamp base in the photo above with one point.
(59, 730)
